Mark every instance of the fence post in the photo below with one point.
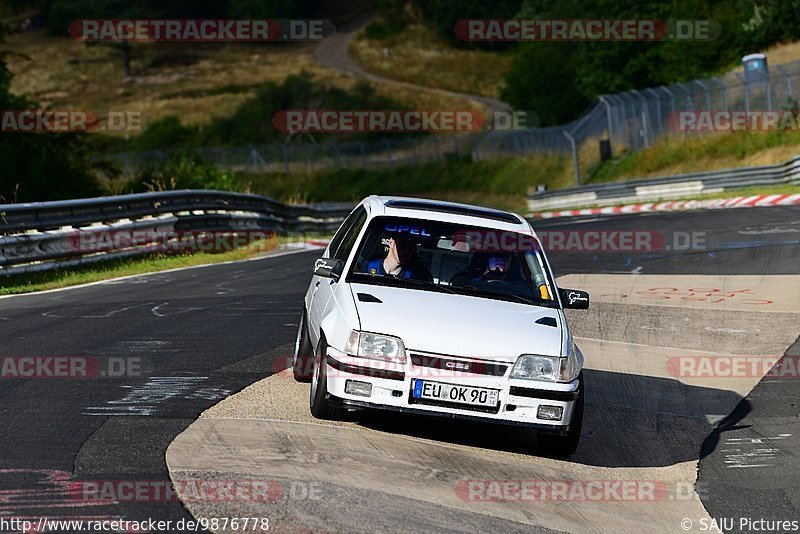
(671, 97)
(724, 93)
(610, 126)
(788, 81)
(659, 116)
(769, 91)
(622, 120)
(689, 99)
(633, 137)
(705, 92)
(746, 92)
(646, 120)
(575, 169)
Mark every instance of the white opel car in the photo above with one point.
(446, 310)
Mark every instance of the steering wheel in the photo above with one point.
(494, 276)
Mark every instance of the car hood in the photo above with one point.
(458, 325)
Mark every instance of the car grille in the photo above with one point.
(448, 363)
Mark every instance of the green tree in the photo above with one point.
(40, 166)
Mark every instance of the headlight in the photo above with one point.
(547, 368)
(375, 347)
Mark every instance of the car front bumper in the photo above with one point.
(391, 386)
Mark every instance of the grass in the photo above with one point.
(420, 56)
(703, 152)
(58, 278)
(195, 81)
(500, 182)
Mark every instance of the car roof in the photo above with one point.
(440, 210)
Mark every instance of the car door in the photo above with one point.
(340, 248)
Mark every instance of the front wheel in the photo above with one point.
(558, 445)
(302, 362)
(318, 403)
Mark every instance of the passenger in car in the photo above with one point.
(401, 261)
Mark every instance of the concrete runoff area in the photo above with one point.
(660, 374)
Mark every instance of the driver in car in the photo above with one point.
(496, 268)
(401, 261)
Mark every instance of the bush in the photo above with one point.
(252, 120)
(184, 170)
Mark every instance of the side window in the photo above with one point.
(340, 233)
(349, 239)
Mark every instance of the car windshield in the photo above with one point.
(452, 258)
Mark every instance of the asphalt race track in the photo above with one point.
(201, 335)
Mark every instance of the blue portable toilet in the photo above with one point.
(755, 66)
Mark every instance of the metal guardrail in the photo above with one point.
(667, 187)
(45, 235)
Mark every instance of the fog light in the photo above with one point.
(550, 413)
(355, 387)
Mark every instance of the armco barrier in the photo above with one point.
(681, 185)
(41, 235)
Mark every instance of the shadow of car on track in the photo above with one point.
(630, 421)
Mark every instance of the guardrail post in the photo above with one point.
(575, 168)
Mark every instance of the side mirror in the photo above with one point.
(574, 298)
(328, 268)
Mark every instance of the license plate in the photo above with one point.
(425, 389)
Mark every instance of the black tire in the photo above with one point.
(317, 401)
(303, 359)
(558, 445)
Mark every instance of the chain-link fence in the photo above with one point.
(618, 123)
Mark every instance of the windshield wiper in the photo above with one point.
(400, 282)
(504, 296)
(424, 283)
